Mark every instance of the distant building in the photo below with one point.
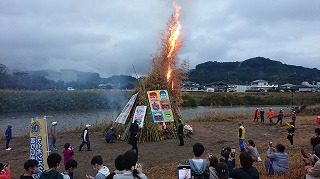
(191, 86)
(261, 85)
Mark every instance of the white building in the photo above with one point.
(261, 85)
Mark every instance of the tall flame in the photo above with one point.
(174, 31)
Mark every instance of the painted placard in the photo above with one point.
(139, 115)
(160, 106)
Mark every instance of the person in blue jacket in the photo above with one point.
(8, 137)
(111, 136)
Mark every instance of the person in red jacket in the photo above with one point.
(5, 171)
(270, 115)
(256, 114)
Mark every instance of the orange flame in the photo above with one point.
(174, 31)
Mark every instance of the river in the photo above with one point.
(70, 119)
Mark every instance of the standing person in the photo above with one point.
(67, 153)
(180, 133)
(291, 128)
(294, 117)
(241, 136)
(134, 129)
(315, 140)
(280, 117)
(53, 161)
(8, 137)
(111, 136)
(256, 115)
(262, 115)
(119, 168)
(85, 138)
(97, 164)
(199, 166)
(53, 136)
(32, 167)
(247, 171)
(132, 170)
(70, 167)
(253, 151)
(270, 115)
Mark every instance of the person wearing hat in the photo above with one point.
(280, 117)
(8, 137)
(85, 138)
(53, 136)
(241, 136)
(294, 117)
(270, 115)
(256, 115)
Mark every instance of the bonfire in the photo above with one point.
(164, 75)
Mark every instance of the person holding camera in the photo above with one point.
(5, 171)
(279, 160)
(313, 171)
(67, 153)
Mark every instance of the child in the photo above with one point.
(67, 153)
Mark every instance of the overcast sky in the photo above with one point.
(110, 36)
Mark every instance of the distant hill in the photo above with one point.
(250, 70)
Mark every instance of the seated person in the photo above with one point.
(252, 150)
(213, 161)
(229, 156)
(315, 140)
(111, 136)
(222, 171)
(199, 166)
(247, 171)
(279, 160)
(313, 171)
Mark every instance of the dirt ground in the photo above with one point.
(160, 159)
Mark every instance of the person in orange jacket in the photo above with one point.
(270, 115)
(5, 171)
(256, 114)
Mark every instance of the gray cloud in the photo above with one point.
(109, 37)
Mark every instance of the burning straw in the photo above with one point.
(164, 75)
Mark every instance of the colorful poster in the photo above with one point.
(160, 106)
(139, 115)
(39, 143)
(121, 119)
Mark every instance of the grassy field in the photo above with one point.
(230, 99)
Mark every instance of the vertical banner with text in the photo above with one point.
(39, 142)
(160, 106)
(139, 115)
(121, 119)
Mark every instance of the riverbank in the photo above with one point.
(43, 101)
(160, 159)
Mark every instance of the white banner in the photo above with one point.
(139, 115)
(121, 119)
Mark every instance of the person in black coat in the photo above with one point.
(180, 133)
(85, 138)
(134, 129)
